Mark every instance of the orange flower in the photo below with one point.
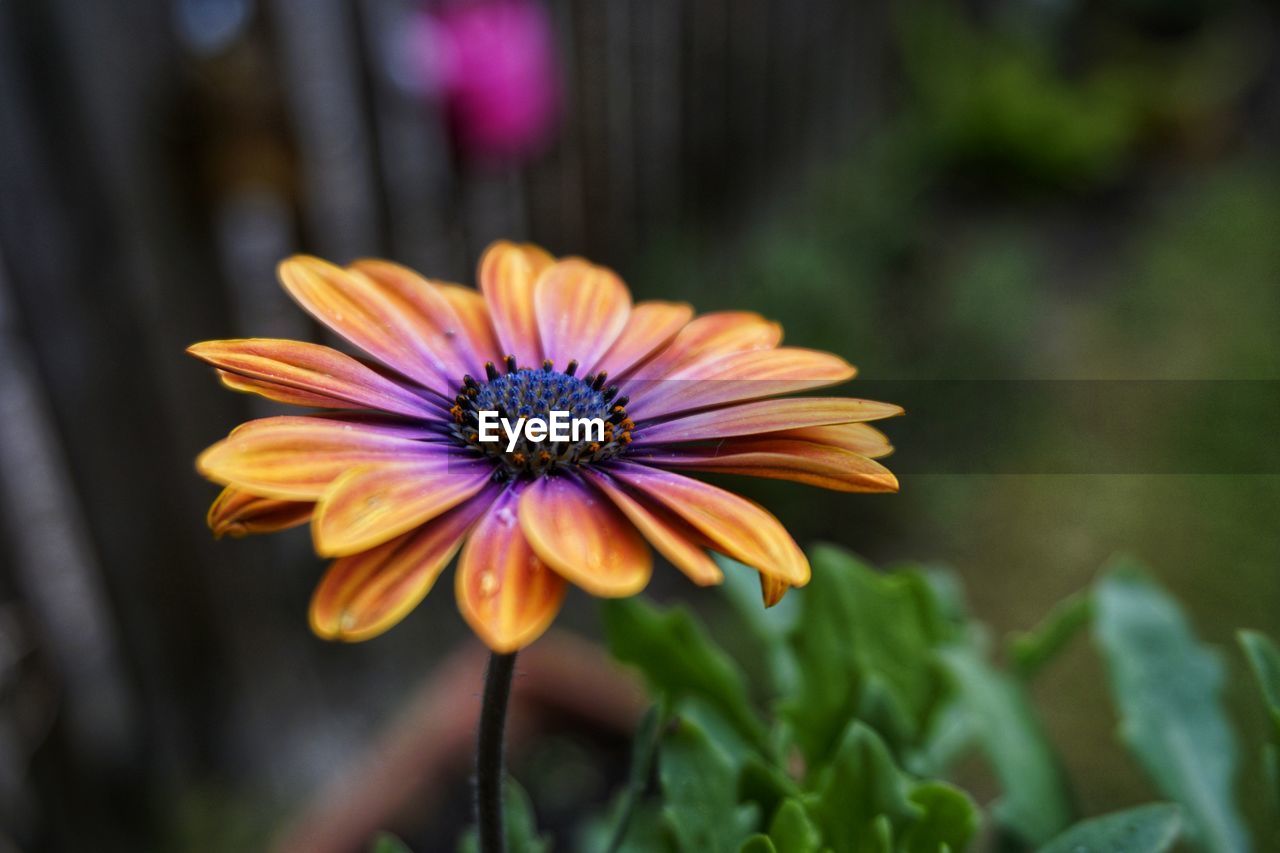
(395, 480)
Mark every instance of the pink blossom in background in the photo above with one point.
(494, 64)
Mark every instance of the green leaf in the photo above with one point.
(768, 627)
(647, 831)
(522, 831)
(950, 819)
(1264, 660)
(860, 786)
(385, 842)
(699, 788)
(864, 647)
(1145, 829)
(1166, 687)
(678, 659)
(1031, 650)
(758, 844)
(792, 831)
(1034, 802)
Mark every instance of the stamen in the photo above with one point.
(536, 393)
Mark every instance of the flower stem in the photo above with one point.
(490, 749)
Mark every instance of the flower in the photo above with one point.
(494, 64)
(394, 479)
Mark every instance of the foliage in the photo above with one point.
(873, 685)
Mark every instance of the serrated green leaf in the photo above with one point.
(1031, 650)
(522, 830)
(1166, 687)
(949, 821)
(1145, 829)
(863, 646)
(792, 831)
(698, 786)
(860, 786)
(1034, 803)
(678, 659)
(385, 842)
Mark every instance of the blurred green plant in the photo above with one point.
(876, 684)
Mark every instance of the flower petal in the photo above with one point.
(709, 337)
(461, 343)
(736, 526)
(296, 458)
(581, 310)
(507, 595)
(370, 317)
(739, 376)
(863, 439)
(672, 537)
(368, 505)
(238, 513)
(766, 416)
(584, 538)
(311, 369)
(651, 326)
(507, 276)
(784, 459)
(772, 590)
(473, 311)
(367, 593)
(280, 393)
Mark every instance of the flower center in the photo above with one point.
(492, 417)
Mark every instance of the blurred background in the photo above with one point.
(1032, 190)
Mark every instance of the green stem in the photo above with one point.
(646, 747)
(490, 749)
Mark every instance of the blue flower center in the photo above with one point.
(540, 393)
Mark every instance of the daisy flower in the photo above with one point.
(395, 480)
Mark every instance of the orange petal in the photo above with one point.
(368, 505)
(736, 526)
(470, 306)
(311, 369)
(739, 376)
(238, 513)
(507, 276)
(581, 310)
(365, 594)
(580, 535)
(453, 336)
(709, 337)
(651, 326)
(784, 459)
(766, 416)
(863, 439)
(672, 537)
(772, 590)
(507, 595)
(372, 318)
(280, 393)
(296, 458)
